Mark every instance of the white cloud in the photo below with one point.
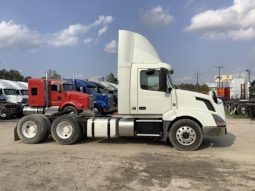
(111, 47)
(88, 40)
(236, 22)
(156, 16)
(13, 35)
(18, 36)
(102, 31)
(72, 35)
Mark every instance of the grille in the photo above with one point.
(91, 102)
(110, 97)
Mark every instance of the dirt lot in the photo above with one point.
(130, 164)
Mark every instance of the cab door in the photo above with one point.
(151, 100)
(56, 94)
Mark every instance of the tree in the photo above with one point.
(14, 75)
(197, 88)
(52, 74)
(111, 78)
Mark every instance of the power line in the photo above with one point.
(219, 77)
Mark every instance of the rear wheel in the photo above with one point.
(47, 125)
(241, 109)
(66, 129)
(186, 135)
(32, 129)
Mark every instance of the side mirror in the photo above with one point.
(58, 88)
(163, 80)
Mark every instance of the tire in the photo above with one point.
(5, 113)
(98, 111)
(47, 125)
(241, 109)
(32, 129)
(66, 129)
(71, 110)
(186, 135)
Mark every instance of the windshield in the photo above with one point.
(102, 90)
(92, 89)
(10, 92)
(24, 92)
(68, 87)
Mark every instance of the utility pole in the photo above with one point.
(197, 77)
(219, 77)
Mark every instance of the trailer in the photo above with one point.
(148, 106)
(243, 105)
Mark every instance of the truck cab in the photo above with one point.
(8, 93)
(148, 105)
(103, 102)
(45, 94)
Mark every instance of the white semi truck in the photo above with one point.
(148, 105)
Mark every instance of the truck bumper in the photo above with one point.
(215, 131)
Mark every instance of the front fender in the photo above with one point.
(100, 104)
(205, 118)
(75, 104)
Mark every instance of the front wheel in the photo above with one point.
(5, 113)
(186, 135)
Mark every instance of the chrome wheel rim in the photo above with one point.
(29, 129)
(64, 130)
(186, 135)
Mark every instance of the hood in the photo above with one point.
(198, 101)
(13, 99)
(77, 94)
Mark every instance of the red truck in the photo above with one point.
(50, 96)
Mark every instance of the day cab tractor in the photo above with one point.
(51, 96)
(149, 105)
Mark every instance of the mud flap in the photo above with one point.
(16, 136)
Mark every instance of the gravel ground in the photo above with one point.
(226, 163)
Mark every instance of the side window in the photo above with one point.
(34, 91)
(1, 92)
(149, 80)
(54, 88)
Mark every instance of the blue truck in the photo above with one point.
(103, 102)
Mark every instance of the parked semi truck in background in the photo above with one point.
(51, 96)
(103, 101)
(148, 105)
(21, 89)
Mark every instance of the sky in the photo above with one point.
(79, 38)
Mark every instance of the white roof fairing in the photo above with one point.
(135, 48)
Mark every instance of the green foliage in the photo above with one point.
(14, 75)
(196, 88)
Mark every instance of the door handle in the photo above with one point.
(142, 108)
(59, 98)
